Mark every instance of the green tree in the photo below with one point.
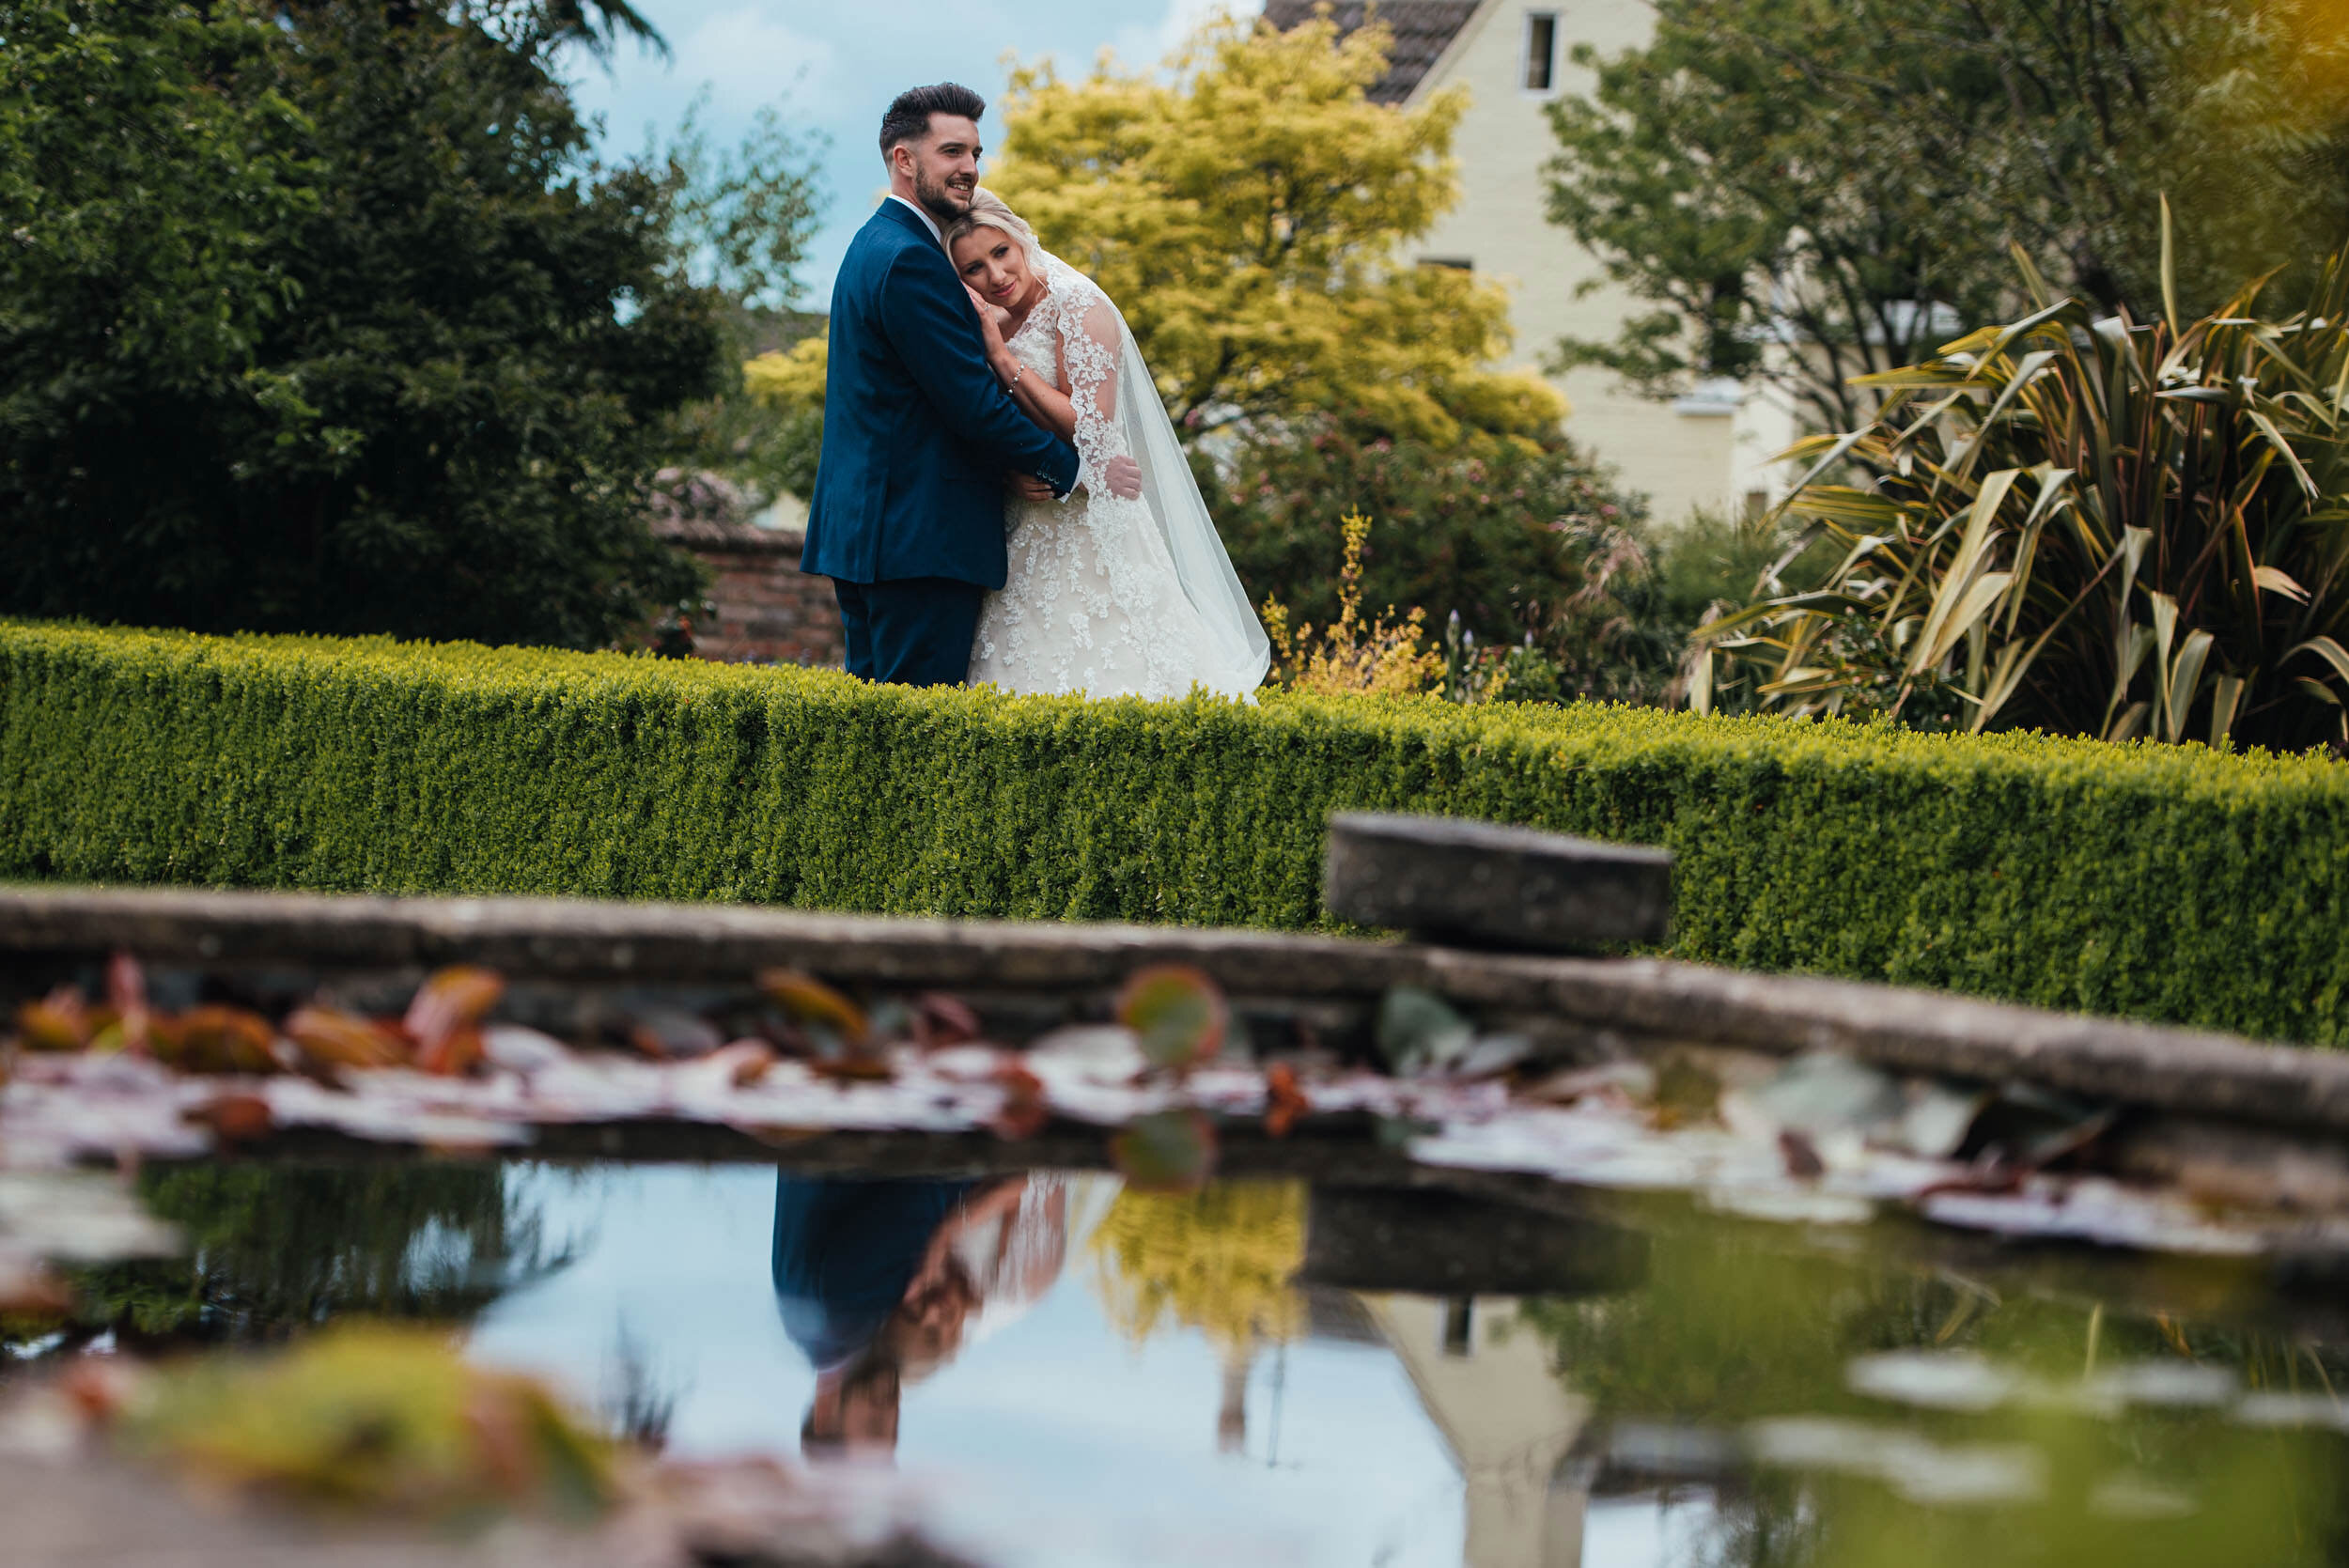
(740, 220)
(321, 320)
(1514, 540)
(1811, 190)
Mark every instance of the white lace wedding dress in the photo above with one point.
(1109, 596)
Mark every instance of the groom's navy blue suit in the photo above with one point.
(908, 515)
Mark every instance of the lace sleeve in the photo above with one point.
(1092, 351)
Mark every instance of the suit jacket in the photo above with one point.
(918, 434)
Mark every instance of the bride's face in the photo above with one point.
(996, 266)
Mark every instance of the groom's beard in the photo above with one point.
(945, 202)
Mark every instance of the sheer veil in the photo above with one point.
(1241, 653)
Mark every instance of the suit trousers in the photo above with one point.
(912, 631)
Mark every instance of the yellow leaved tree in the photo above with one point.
(1249, 209)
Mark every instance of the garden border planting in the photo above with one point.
(2162, 882)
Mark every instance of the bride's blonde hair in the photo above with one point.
(988, 210)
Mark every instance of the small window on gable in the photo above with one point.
(1456, 263)
(1540, 51)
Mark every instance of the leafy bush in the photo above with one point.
(328, 324)
(2088, 526)
(2159, 881)
(1506, 534)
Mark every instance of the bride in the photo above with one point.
(1107, 596)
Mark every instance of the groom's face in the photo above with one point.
(944, 165)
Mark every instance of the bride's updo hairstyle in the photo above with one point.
(987, 210)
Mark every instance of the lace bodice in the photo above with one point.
(1094, 602)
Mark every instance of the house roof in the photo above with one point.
(1424, 29)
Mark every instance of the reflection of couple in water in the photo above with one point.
(883, 1282)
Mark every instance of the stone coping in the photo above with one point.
(1623, 1004)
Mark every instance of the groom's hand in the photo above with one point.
(1025, 487)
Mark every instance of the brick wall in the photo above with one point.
(768, 612)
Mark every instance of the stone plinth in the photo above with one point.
(1491, 886)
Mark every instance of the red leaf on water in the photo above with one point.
(236, 1118)
(333, 1040)
(1177, 1014)
(1024, 1112)
(807, 1000)
(1284, 1102)
(453, 999)
(853, 1066)
(1170, 1151)
(939, 1019)
(453, 1054)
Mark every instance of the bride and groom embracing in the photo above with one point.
(1000, 497)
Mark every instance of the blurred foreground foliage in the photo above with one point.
(368, 1416)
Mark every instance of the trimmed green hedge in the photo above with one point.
(2164, 882)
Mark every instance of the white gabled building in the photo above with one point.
(1709, 449)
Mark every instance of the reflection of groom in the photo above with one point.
(919, 437)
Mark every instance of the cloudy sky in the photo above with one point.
(833, 64)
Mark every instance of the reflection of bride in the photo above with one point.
(1109, 594)
(883, 1282)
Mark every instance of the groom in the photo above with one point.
(918, 438)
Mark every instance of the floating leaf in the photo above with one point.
(1170, 1151)
(236, 1118)
(1177, 1014)
(521, 1050)
(453, 999)
(1024, 1112)
(453, 1054)
(671, 1033)
(939, 1020)
(807, 999)
(746, 1062)
(1419, 1031)
(1284, 1102)
(335, 1040)
(852, 1065)
(59, 1021)
(216, 1039)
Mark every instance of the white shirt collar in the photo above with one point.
(927, 221)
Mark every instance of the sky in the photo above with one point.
(833, 64)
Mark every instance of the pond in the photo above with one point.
(1062, 1371)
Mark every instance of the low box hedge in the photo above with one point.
(2164, 882)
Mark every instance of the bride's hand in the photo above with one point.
(992, 319)
(1124, 477)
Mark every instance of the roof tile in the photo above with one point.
(1424, 29)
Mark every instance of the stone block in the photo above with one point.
(1483, 885)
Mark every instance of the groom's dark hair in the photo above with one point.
(909, 118)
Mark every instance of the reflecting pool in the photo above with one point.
(1066, 1372)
